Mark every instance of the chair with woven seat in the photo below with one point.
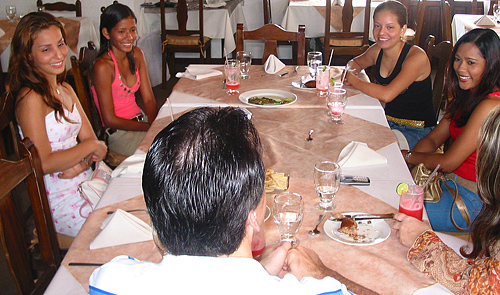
(271, 34)
(182, 39)
(346, 42)
(442, 52)
(30, 275)
(62, 6)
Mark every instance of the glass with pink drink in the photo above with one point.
(323, 80)
(411, 202)
(336, 103)
(232, 70)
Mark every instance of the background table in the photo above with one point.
(462, 23)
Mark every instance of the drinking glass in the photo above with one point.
(232, 70)
(245, 58)
(327, 183)
(411, 202)
(323, 80)
(11, 12)
(314, 59)
(336, 102)
(496, 12)
(288, 211)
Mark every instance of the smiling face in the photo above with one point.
(122, 36)
(386, 29)
(49, 51)
(469, 66)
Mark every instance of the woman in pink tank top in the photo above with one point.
(118, 73)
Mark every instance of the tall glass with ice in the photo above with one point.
(411, 202)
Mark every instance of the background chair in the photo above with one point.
(442, 52)
(271, 34)
(9, 139)
(414, 31)
(182, 40)
(18, 256)
(267, 11)
(346, 42)
(82, 72)
(446, 21)
(62, 6)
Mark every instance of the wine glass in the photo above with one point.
(496, 12)
(232, 70)
(245, 58)
(322, 80)
(288, 211)
(327, 183)
(314, 59)
(11, 12)
(336, 102)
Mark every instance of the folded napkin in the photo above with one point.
(215, 5)
(273, 64)
(1, 33)
(485, 21)
(131, 166)
(306, 79)
(122, 228)
(358, 154)
(198, 72)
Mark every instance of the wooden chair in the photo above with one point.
(62, 6)
(346, 42)
(182, 40)
(446, 21)
(82, 72)
(268, 19)
(9, 139)
(414, 31)
(442, 52)
(271, 34)
(490, 10)
(13, 242)
(474, 7)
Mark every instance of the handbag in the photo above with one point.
(433, 192)
(91, 190)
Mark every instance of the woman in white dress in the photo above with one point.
(49, 113)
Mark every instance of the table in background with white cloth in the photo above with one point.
(462, 23)
(87, 33)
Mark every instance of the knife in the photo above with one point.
(339, 217)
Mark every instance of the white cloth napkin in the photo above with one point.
(306, 79)
(198, 72)
(2, 33)
(273, 64)
(122, 228)
(131, 166)
(484, 21)
(358, 154)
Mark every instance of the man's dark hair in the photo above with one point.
(202, 176)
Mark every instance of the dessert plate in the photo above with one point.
(371, 232)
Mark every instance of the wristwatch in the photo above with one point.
(407, 157)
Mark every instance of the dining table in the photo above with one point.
(380, 264)
(462, 23)
(79, 30)
(311, 13)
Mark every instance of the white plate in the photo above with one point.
(376, 231)
(269, 93)
(215, 5)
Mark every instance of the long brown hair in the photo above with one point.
(485, 232)
(22, 72)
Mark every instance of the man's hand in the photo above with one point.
(273, 258)
(304, 262)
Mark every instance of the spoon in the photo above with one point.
(295, 70)
(224, 84)
(309, 138)
(315, 231)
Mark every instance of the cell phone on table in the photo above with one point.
(354, 180)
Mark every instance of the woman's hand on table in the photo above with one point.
(409, 228)
(273, 258)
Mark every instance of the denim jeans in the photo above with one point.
(439, 213)
(412, 134)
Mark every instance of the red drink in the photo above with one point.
(233, 85)
(411, 208)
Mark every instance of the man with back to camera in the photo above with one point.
(203, 183)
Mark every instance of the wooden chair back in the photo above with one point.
(12, 238)
(474, 7)
(82, 68)
(182, 39)
(267, 11)
(346, 42)
(490, 10)
(10, 139)
(62, 6)
(446, 21)
(442, 52)
(271, 34)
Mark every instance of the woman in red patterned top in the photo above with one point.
(479, 271)
(474, 75)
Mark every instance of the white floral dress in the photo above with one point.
(64, 199)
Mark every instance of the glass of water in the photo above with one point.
(496, 12)
(337, 100)
(327, 183)
(314, 60)
(245, 58)
(11, 11)
(288, 211)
